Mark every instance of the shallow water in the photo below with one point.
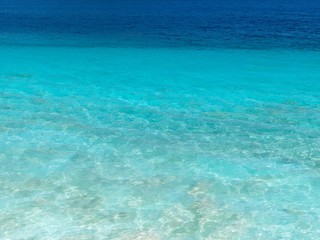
(159, 120)
(159, 143)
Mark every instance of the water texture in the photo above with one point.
(250, 24)
(105, 136)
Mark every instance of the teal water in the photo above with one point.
(159, 143)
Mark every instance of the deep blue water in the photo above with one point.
(201, 24)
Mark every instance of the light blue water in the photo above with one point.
(165, 119)
(159, 143)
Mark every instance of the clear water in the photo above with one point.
(141, 139)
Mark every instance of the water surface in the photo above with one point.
(113, 132)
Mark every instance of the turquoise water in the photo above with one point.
(159, 143)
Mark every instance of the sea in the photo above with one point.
(167, 119)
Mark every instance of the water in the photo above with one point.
(168, 23)
(111, 134)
